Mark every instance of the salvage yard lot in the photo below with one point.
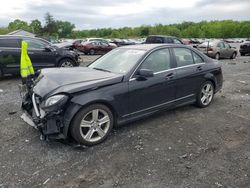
(185, 147)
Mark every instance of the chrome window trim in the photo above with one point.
(158, 105)
(176, 68)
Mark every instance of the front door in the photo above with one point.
(153, 92)
(40, 56)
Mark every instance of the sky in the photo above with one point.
(91, 14)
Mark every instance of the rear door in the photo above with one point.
(40, 56)
(190, 70)
(10, 53)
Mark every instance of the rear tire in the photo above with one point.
(66, 63)
(92, 124)
(205, 95)
(217, 56)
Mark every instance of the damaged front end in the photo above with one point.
(45, 115)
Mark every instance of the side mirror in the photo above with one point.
(48, 49)
(145, 73)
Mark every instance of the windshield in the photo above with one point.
(118, 60)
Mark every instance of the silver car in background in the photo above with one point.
(218, 49)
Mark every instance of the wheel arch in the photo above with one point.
(75, 108)
(63, 58)
(210, 77)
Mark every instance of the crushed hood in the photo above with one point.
(70, 80)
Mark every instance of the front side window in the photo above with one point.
(183, 57)
(35, 44)
(227, 45)
(157, 61)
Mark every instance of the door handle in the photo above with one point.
(199, 68)
(170, 76)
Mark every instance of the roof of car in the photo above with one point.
(148, 47)
(165, 36)
(15, 36)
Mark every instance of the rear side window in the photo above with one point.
(221, 45)
(157, 61)
(9, 43)
(197, 58)
(183, 57)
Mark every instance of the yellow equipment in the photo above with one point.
(26, 67)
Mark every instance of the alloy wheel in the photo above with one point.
(95, 125)
(207, 93)
(67, 64)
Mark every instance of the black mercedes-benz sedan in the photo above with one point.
(126, 84)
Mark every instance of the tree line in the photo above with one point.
(65, 29)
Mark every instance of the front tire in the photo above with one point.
(92, 124)
(233, 55)
(242, 54)
(205, 94)
(66, 63)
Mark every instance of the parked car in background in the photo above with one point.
(42, 54)
(123, 42)
(77, 43)
(191, 42)
(218, 49)
(95, 47)
(101, 40)
(245, 48)
(126, 84)
(156, 39)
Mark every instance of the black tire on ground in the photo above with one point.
(200, 95)
(67, 63)
(217, 56)
(77, 131)
(92, 52)
(233, 55)
(242, 54)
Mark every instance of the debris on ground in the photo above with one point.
(183, 156)
(46, 181)
(12, 113)
(242, 82)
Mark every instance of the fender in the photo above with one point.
(82, 100)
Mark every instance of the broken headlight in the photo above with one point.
(55, 102)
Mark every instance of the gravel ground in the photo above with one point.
(185, 147)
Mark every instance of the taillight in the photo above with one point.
(210, 49)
